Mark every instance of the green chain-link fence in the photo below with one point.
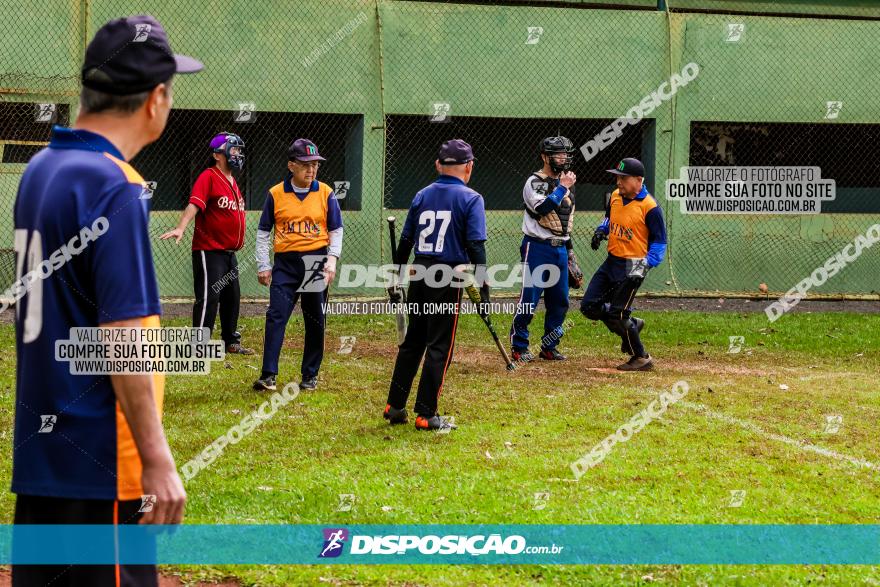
(379, 84)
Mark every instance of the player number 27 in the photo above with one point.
(430, 217)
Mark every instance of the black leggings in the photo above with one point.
(215, 283)
(609, 297)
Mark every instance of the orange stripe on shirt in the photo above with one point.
(116, 542)
(131, 173)
(128, 460)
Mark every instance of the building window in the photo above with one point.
(507, 152)
(182, 153)
(25, 128)
(846, 153)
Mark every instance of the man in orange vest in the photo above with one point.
(636, 234)
(307, 221)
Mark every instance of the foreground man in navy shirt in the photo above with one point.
(90, 448)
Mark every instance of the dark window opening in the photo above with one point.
(846, 153)
(507, 152)
(182, 153)
(14, 153)
(25, 128)
(28, 121)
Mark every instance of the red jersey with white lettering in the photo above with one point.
(220, 224)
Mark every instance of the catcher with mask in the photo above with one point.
(636, 234)
(548, 218)
(218, 208)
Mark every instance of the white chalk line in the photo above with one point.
(800, 444)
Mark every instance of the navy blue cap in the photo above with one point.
(303, 150)
(629, 166)
(455, 152)
(130, 55)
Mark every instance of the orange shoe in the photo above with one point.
(522, 356)
(395, 416)
(434, 423)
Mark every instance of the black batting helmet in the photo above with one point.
(555, 145)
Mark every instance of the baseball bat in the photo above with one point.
(400, 317)
(474, 295)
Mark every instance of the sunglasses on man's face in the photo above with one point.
(308, 164)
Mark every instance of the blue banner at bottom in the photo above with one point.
(442, 544)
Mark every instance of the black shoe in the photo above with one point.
(395, 416)
(266, 383)
(645, 363)
(434, 423)
(551, 355)
(624, 346)
(522, 356)
(236, 349)
(310, 383)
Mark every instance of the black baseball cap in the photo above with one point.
(455, 152)
(130, 55)
(303, 150)
(629, 166)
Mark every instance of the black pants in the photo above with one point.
(215, 283)
(430, 335)
(609, 297)
(31, 509)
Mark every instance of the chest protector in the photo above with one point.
(560, 221)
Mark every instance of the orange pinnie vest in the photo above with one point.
(627, 230)
(300, 225)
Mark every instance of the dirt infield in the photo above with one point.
(178, 309)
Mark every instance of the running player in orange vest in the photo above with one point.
(636, 236)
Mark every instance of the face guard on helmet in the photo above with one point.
(233, 149)
(558, 145)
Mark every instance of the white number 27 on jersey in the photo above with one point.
(430, 217)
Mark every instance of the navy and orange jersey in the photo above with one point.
(80, 181)
(302, 222)
(635, 227)
(442, 218)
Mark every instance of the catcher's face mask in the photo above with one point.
(559, 151)
(233, 150)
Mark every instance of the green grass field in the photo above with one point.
(519, 432)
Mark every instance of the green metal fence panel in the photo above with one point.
(379, 84)
(42, 46)
(832, 8)
(762, 99)
(507, 77)
(319, 60)
(645, 4)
